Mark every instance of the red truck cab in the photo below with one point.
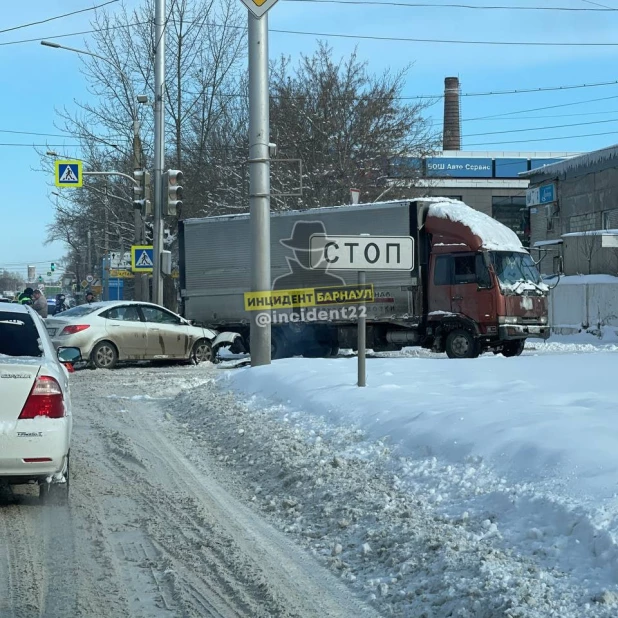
(484, 291)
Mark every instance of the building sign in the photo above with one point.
(541, 195)
(458, 167)
(464, 167)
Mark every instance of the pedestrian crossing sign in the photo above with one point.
(69, 174)
(142, 258)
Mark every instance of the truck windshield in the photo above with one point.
(512, 268)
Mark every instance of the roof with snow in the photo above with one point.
(594, 161)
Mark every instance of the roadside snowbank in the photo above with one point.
(506, 467)
(530, 418)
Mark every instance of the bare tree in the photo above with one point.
(351, 129)
(588, 244)
(10, 282)
(204, 45)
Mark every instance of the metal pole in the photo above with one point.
(106, 258)
(88, 254)
(159, 154)
(259, 180)
(362, 335)
(138, 164)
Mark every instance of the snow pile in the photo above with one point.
(494, 235)
(480, 488)
(583, 279)
(502, 410)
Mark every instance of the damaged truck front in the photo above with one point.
(478, 267)
(473, 288)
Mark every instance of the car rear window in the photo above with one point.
(78, 312)
(18, 335)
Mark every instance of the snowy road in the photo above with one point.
(147, 534)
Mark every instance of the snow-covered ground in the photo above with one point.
(484, 487)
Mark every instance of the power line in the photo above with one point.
(604, 6)
(538, 109)
(353, 36)
(45, 21)
(413, 5)
(544, 139)
(367, 37)
(71, 34)
(43, 145)
(441, 96)
(610, 111)
(556, 126)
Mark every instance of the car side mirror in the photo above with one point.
(69, 355)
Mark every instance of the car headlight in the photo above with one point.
(543, 320)
(507, 319)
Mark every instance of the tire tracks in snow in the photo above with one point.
(222, 559)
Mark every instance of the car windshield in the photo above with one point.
(512, 268)
(18, 335)
(78, 312)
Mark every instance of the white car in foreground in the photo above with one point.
(35, 405)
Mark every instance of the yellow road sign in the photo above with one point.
(120, 273)
(258, 7)
(69, 173)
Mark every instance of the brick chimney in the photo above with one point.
(451, 138)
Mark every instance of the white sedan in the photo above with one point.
(113, 331)
(35, 414)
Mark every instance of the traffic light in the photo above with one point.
(53, 267)
(172, 192)
(141, 192)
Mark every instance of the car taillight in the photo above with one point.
(74, 328)
(45, 399)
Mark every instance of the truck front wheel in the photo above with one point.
(513, 348)
(462, 344)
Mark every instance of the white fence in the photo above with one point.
(583, 302)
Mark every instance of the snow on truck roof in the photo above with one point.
(494, 235)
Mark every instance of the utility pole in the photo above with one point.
(106, 258)
(88, 253)
(159, 154)
(140, 291)
(259, 180)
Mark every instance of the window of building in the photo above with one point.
(610, 219)
(513, 212)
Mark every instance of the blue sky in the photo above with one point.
(36, 80)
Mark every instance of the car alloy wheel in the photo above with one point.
(104, 355)
(202, 352)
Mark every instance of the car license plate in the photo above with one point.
(51, 332)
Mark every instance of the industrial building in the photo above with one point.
(574, 212)
(488, 181)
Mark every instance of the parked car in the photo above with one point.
(35, 415)
(113, 331)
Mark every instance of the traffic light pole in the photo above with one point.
(106, 259)
(259, 181)
(159, 154)
(140, 281)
